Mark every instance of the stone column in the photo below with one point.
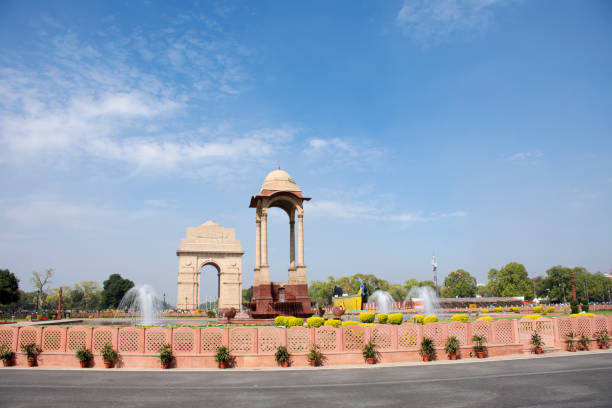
(264, 238)
(300, 239)
(257, 243)
(291, 244)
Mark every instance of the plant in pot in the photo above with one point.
(584, 342)
(165, 356)
(570, 341)
(109, 355)
(452, 346)
(315, 356)
(427, 350)
(223, 357)
(603, 340)
(537, 343)
(32, 351)
(282, 356)
(370, 354)
(84, 355)
(6, 355)
(479, 347)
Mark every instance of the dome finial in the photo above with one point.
(279, 167)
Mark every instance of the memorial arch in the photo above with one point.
(279, 298)
(210, 244)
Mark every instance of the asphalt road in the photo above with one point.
(576, 381)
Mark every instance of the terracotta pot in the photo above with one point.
(108, 364)
(425, 358)
(31, 363)
(83, 364)
(452, 356)
(7, 363)
(313, 363)
(538, 350)
(222, 364)
(285, 364)
(165, 366)
(371, 360)
(480, 354)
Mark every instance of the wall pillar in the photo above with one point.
(300, 239)
(257, 243)
(292, 244)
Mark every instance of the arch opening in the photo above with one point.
(209, 286)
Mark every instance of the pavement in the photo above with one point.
(581, 379)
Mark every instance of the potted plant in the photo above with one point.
(427, 349)
(479, 347)
(537, 343)
(603, 340)
(570, 341)
(370, 354)
(315, 356)
(452, 346)
(165, 356)
(223, 356)
(84, 355)
(282, 356)
(584, 342)
(109, 355)
(32, 351)
(6, 355)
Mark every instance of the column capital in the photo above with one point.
(300, 216)
(292, 222)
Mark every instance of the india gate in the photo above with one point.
(216, 245)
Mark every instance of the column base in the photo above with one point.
(297, 275)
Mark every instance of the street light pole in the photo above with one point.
(586, 289)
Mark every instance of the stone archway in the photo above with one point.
(210, 243)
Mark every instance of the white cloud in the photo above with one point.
(337, 152)
(524, 156)
(431, 21)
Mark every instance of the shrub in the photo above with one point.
(460, 318)
(418, 319)
(536, 340)
(211, 314)
(430, 319)
(452, 345)
(333, 323)
(369, 350)
(603, 340)
(584, 342)
(315, 354)
(282, 354)
(295, 321)
(315, 321)
(349, 323)
(109, 354)
(484, 310)
(280, 320)
(515, 309)
(497, 309)
(485, 318)
(570, 341)
(395, 318)
(532, 317)
(537, 309)
(427, 347)
(574, 306)
(223, 355)
(6, 354)
(382, 318)
(366, 317)
(479, 341)
(31, 350)
(165, 354)
(84, 354)
(582, 315)
(585, 307)
(550, 309)
(472, 306)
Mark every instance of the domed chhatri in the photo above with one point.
(279, 180)
(276, 298)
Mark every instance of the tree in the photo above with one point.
(40, 282)
(459, 284)
(247, 294)
(9, 287)
(321, 291)
(115, 288)
(511, 280)
(398, 292)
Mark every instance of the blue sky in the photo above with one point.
(477, 130)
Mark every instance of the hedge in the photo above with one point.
(418, 319)
(515, 309)
(382, 318)
(281, 320)
(395, 318)
(349, 323)
(484, 310)
(430, 319)
(485, 318)
(460, 318)
(366, 317)
(550, 309)
(333, 323)
(497, 309)
(295, 321)
(315, 321)
(537, 309)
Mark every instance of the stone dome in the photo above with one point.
(279, 180)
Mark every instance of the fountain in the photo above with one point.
(141, 301)
(383, 300)
(424, 298)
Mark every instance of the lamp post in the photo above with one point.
(573, 285)
(586, 289)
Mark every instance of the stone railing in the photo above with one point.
(255, 346)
